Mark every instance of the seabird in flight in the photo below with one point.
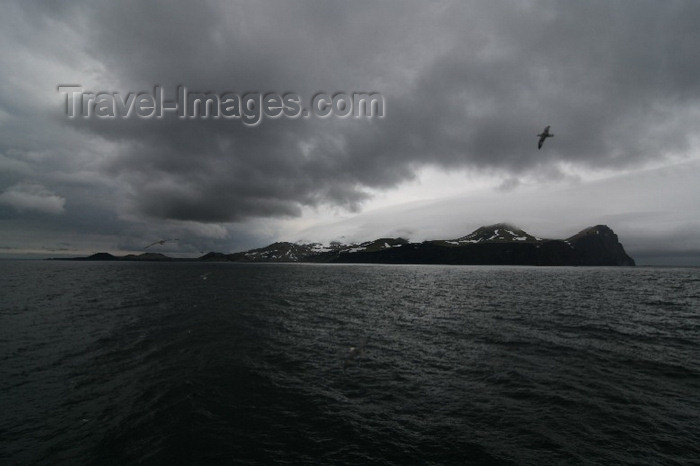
(544, 135)
(161, 242)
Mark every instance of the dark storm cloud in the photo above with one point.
(466, 84)
(607, 85)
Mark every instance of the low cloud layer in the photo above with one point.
(35, 198)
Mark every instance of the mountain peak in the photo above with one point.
(498, 232)
(602, 230)
(102, 256)
(599, 245)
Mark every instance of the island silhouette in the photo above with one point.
(499, 244)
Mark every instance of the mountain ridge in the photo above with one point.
(497, 244)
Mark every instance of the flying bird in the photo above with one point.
(161, 242)
(544, 135)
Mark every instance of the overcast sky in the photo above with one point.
(467, 86)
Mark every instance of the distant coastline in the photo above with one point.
(499, 244)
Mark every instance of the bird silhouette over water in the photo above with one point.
(161, 242)
(544, 135)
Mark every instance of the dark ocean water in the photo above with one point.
(190, 363)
